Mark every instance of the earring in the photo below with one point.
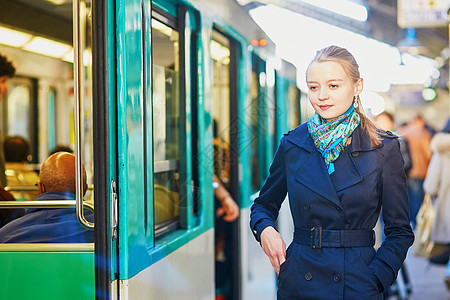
(355, 101)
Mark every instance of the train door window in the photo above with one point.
(259, 122)
(166, 126)
(271, 113)
(19, 107)
(220, 53)
(46, 67)
(254, 92)
(51, 125)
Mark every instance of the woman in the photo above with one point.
(437, 184)
(338, 170)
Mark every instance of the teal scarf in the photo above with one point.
(330, 137)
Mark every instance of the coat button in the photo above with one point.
(306, 207)
(337, 277)
(338, 209)
(308, 276)
(355, 154)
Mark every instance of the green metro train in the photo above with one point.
(154, 97)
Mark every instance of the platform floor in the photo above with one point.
(427, 280)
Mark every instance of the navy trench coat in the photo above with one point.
(366, 178)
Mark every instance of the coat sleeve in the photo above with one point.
(264, 210)
(395, 210)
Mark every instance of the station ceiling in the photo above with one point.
(381, 24)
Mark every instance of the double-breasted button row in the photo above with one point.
(308, 276)
(355, 154)
(336, 277)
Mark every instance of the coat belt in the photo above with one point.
(316, 237)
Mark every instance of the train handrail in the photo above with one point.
(30, 188)
(21, 188)
(44, 204)
(47, 247)
(79, 99)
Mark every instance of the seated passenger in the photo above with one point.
(52, 225)
(17, 171)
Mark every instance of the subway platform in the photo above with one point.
(426, 280)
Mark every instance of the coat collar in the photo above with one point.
(313, 172)
(300, 136)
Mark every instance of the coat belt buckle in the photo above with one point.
(316, 237)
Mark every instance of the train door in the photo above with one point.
(164, 224)
(226, 157)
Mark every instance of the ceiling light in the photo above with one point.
(68, 57)
(162, 27)
(220, 53)
(59, 2)
(342, 7)
(47, 47)
(13, 38)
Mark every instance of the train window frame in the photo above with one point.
(32, 116)
(189, 202)
(168, 165)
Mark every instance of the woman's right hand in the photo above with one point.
(274, 247)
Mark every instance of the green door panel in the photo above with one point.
(47, 275)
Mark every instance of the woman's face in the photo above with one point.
(330, 90)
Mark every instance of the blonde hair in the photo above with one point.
(351, 68)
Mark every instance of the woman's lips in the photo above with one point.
(325, 107)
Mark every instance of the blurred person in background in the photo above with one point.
(385, 121)
(437, 184)
(419, 139)
(7, 70)
(17, 171)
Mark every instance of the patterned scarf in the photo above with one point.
(330, 137)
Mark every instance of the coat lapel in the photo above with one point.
(312, 171)
(347, 172)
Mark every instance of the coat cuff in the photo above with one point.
(259, 227)
(383, 272)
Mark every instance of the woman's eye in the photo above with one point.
(313, 88)
(333, 86)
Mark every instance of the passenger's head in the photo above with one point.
(16, 149)
(334, 82)
(57, 174)
(385, 121)
(61, 148)
(418, 121)
(6, 70)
